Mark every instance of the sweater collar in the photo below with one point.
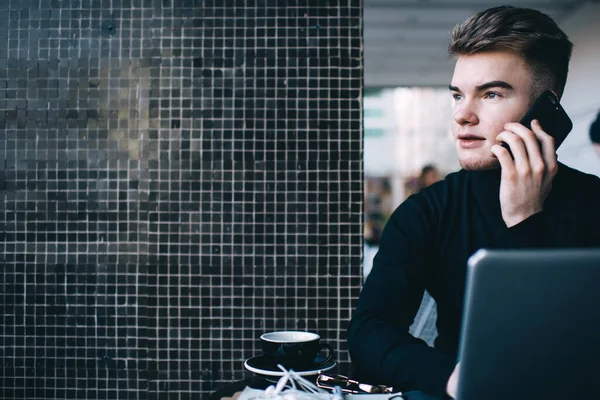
(486, 187)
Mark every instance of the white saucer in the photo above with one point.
(265, 366)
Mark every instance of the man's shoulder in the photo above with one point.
(575, 186)
(575, 177)
(438, 194)
(448, 185)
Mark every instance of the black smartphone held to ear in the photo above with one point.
(553, 118)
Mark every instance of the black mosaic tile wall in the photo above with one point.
(176, 178)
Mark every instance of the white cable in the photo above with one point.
(292, 386)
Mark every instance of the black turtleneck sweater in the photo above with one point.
(426, 244)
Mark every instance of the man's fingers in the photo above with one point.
(452, 385)
(506, 162)
(530, 140)
(517, 147)
(548, 147)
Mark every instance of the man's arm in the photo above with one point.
(526, 182)
(563, 223)
(378, 337)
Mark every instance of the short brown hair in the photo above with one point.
(533, 35)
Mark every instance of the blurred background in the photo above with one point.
(179, 176)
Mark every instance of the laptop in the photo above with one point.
(531, 325)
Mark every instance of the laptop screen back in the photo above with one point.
(531, 325)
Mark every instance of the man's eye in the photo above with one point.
(456, 96)
(492, 95)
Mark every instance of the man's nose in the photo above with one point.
(465, 113)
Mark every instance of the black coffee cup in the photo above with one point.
(295, 349)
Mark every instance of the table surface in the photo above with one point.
(258, 382)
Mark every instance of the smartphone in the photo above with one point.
(553, 118)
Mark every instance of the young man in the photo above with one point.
(505, 58)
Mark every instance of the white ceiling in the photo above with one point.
(406, 41)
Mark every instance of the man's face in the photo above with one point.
(489, 90)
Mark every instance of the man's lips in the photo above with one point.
(470, 137)
(470, 141)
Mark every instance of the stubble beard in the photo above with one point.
(479, 164)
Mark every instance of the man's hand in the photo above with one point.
(234, 397)
(526, 180)
(452, 385)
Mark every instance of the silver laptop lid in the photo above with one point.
(531, 325)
